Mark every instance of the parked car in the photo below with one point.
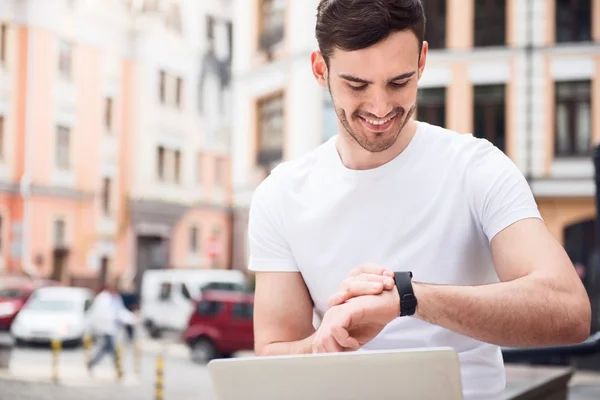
(166, 295)
(13, 297)
(54, 313)
(220, 325)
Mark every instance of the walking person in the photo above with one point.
(403, 234)
(108, 315)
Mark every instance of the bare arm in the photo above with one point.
(283, 314)
(540, 300)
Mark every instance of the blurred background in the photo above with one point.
(134, 132)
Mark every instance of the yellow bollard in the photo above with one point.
(56, 346)
(119, 361)
(87, 347)
(137, 355)
(158, 389)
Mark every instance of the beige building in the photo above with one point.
(523, 74)
(114, 137)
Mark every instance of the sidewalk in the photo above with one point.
(69, 375)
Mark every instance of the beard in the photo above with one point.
(382, 140)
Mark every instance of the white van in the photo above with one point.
(166, 295)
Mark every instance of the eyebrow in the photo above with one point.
(356, 79)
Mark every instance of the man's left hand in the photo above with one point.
(367, 279)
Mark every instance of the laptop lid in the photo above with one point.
(430, 373)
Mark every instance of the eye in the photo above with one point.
(398, 85)
(358, 88)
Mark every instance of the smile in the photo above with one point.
(378, 125)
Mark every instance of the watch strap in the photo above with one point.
(408, 301)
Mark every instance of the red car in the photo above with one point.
(220, 325)
(14, 295)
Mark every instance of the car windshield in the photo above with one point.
(223, 286)
(11, 293)
(52, 305)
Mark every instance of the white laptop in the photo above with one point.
(431, 373)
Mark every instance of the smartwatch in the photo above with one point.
(408, 301)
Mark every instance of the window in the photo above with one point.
(3, 41)
(490, 23)
(270, 131)
(573, 21)
(106, 195)
(573, 118)
(210, 28)
(173, 17)
(59, 233)
(165, 291)
(62, 151)
(185, 292)
(329, 117)
(489, 114)
(1, 137)
(243, 310)
(170, 90)
(199, 161)
(162, 91)
(272, 18)
(177, 166)
(209, 308)
(65, 59)
(160, 163)
(435, 32)
(432, 106)
(108, 114)
(193, 239)
(179, 92)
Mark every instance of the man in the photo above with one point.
(341, 228)
(107, 316)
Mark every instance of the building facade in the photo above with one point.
(524, 75)
(109, 164)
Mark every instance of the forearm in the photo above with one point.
(520, 313)
(303, 346)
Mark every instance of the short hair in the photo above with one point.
(351, 25)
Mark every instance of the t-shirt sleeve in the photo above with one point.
(268, 246)
(499, 193)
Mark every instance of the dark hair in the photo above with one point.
(357, 24)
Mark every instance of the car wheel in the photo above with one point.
(203, 350)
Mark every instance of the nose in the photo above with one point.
(380, 105)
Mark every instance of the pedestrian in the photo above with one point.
(107, 316)
(392, 208)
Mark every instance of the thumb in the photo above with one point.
(344, 339)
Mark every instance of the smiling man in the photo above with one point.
(392, 208)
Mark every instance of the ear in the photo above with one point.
(319, 68)
(423, 58)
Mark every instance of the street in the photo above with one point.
(183, 380)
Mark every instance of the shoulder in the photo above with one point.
(459, 147)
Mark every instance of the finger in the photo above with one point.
(344, 339)
(387, 282)
(362, 288)
(371, 269)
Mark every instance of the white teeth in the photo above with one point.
(378, 122)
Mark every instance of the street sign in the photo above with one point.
(213, 247)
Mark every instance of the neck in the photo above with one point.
(353, 156)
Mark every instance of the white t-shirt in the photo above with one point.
(432, 210)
